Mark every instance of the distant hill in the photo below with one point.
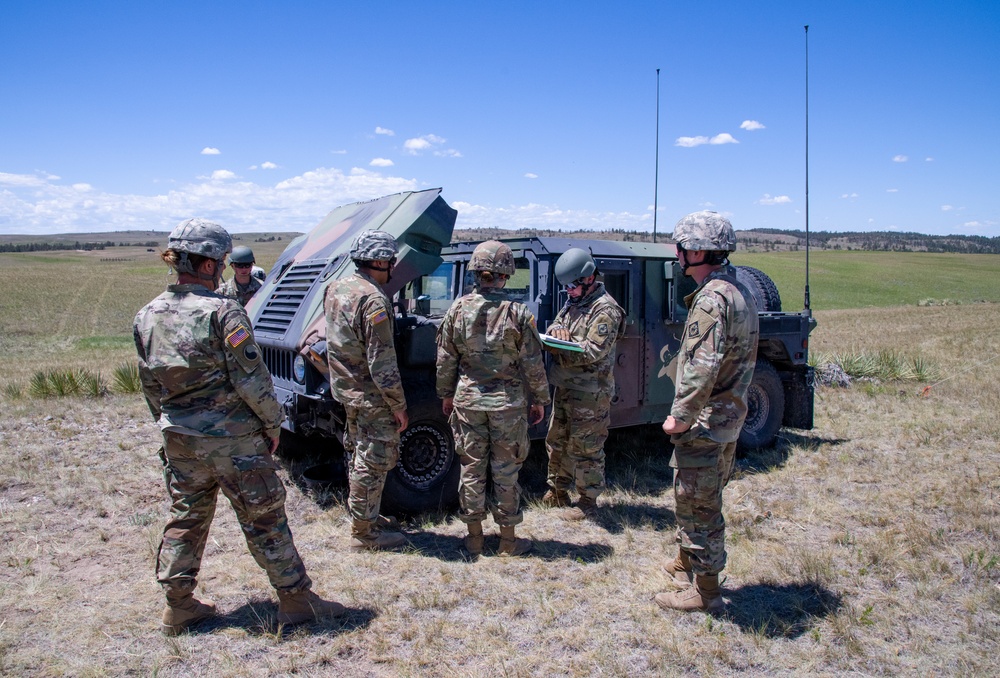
(757, 240)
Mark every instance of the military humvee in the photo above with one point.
(644, 278)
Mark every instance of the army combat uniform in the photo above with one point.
(489, 360)
(714, 370)
(364, 377)
(241, 293)
(584, 385)
(207, 388)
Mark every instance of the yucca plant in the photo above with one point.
(39, 386)
(126, 378)
(13, 390)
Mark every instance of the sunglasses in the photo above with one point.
(573, 285)
(241, 265)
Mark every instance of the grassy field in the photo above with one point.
(867, 546)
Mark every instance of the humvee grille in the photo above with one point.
(280, 309)
(279, 362)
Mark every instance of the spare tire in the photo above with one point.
(764, 291)
(426, 477)
(765, 408)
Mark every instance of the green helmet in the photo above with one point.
(705, 231)
(493, 256)
(374, 246)
(241, 255)
(201, 237)
(574, 264)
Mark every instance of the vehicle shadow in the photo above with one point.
(260, 618)
(450, 548)
(779, 610)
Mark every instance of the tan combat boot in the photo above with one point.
(585, 508)
(365, 538)
(474, 540)
(390, 523)
(556, 498)
(183, 611)
(295, 607)
(680, 568)
(510, 545)
(704, 595)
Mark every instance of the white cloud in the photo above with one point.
(900, 158)
(340, 152)
(208, 150)
(718, 139)
(268, 165)
(221, 175)
(892, 190)
(82, 188)
(946, 208)
(381, 162)
(928, 159)
(751, 125)
(530, 175)
(774, 200)
(419, 144)
(849, 196)
(23, 179)
(448, 153)
(384, 131)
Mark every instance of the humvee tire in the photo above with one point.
(426, 477)
(763, 289)
(765, 408)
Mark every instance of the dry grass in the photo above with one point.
(867, 546)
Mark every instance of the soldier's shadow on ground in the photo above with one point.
(450, 548)
(259, 618)
(773, 458)
(779, 610)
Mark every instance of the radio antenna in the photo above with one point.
(656, 173)
(807, 307)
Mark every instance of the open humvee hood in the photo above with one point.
(290, 304)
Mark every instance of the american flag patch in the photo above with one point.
(237, 336)
(378, 316)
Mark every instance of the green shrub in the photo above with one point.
(126, 378)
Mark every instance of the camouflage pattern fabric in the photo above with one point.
(200, 366)
(585, 383)
(360, 325)
(698, 494)
(596, 321)
(575, 441)
(715, 365)
(705, 231)
(494, 445)
(194, 469)
(241, 293)
(490, 361)
(372, 443)
(489, 354)
(206, 386)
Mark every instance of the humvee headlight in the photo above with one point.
(299, 369)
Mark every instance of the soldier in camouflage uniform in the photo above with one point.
(242, 286)
(584, 384)
(714, 369)
(364, 377)
(212, 396)
(489, 363)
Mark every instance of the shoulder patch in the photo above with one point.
(237, 336)
(378, 316)
(602, 330)
(693, 329)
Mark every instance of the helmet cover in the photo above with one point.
(201, 237)
(374, 246)
(705, 231)
(493, 256)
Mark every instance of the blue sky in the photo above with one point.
(264, 116)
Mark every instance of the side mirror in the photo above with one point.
(422, 305)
